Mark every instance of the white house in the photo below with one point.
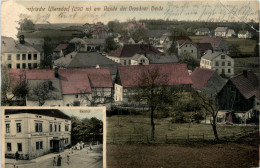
(35, 132)
(230, 33)
(23, 54)
(221, 31)
(186, 46)
(203, 32)
(244, 34)
(139, 59)
(218, 61)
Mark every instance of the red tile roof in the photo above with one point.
(176, 74)
(61, 47)
(213, 40)
(203, 47)
(200, 76)
(76, 81)
(129, 50)
(247, 86)
(97, 30)
(73, 81)
(36, 74)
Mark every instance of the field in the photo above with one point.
(251, 63)
(245, 45)
(137, 129)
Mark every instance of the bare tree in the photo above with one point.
(43, 92)
(98, 96)
(153, 89)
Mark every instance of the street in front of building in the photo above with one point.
(79, 158)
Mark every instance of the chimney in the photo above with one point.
(245, 73)
(21, 39)
(56, 72)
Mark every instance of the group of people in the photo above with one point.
(59, 158)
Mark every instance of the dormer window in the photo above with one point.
(222, 56)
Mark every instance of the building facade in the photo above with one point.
(34, 132)
(21, 54)
(221, 62)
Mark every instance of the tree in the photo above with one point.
(189, 60)
(211, 106)
(26, 24)
(117, 27)
(110, 45)
(43, 91)
(140, 34)
(153, 90)
(98, 96)
(234, 50)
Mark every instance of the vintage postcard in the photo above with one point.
(49, 137)
(180, 80)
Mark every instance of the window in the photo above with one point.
(222, 56)
(229, 63)
(17, 56)
(124, 62)
(229, 70)
(129, 62)
(51, 143)
(18, 66)
(186, 45)
(184, 51)
(67, 104)
(7, 128)
(24, 65)
(223, 71)
(217, 70)
(55, 127)
(9, 57)
(191, 51)
(29, 65)
(35, 56)
(24, 56)
(10, 66)
(223, 63)
(29, 56)
(18, 127)
(66, 140)
(76, 96)
(59, 128)
(38, 127)
(9, 147)
(217, 63)
(66, 127)
(76, 103)
(19, 147)
(35, 65)
(50, 127)
(39, 145)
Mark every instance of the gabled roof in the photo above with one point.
(98, 30)
(183, 42)
(169, 74)
(221, 29)
(213, 40)
(65, 61)
(243, 32)
(156, 33)
(76, 81)
(128, 50)
(46, 112)
(9, 45)
(92, 59)
(162, 58)
(200, 76)
(210, 56)
(203, 47)
(246, 83)
(61, 47)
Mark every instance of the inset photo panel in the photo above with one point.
(49, 137)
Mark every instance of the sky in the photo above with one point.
(41, 12)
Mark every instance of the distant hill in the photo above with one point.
(57, 26)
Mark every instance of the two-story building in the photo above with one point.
(244, 34)
(221, 31)
(218, 61)
(24, 53)
(203, 32)
(35, 132)
(217, 43)
(187, 47)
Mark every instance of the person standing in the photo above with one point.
(68, 159)
(59, 160)
(16, 155)
(54, 163)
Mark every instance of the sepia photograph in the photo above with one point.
(179, 81)
(39, 137)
